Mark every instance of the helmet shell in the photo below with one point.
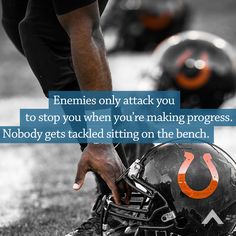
(163, 165)
(199, 65)
(141, 24)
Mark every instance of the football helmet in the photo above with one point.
(141, 24)
(199, 64)
(178, 190)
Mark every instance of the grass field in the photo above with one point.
(36, 196)
(36, 182)
(40, 198)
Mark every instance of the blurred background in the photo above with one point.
(36, 196)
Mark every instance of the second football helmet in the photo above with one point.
(179, 190)
(199, 65)
(141, 24)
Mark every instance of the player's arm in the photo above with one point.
(92, 70)
(88, 50)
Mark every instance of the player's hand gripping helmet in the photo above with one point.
(200, 65)
(141, 24)
(179, 190)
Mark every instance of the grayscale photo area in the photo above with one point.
(149, 45)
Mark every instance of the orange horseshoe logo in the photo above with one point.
(197, 81)
(156, 22)
(182, 177)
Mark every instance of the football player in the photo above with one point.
(64, 46)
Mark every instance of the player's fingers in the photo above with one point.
(116, 195)
(128, 193)
(115, 191)
(124, 188)
(80, 175)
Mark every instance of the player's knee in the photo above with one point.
(13, 11)
(40, 51)
(11, 29)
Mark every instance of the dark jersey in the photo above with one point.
(34, 29)
(65, 6)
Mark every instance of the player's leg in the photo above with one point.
(47, 48)
(13, 12)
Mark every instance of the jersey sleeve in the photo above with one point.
(65, 6)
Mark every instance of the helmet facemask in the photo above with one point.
(155, 209)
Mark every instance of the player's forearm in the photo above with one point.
(90, 63)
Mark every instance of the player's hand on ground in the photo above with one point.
(103, 160)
